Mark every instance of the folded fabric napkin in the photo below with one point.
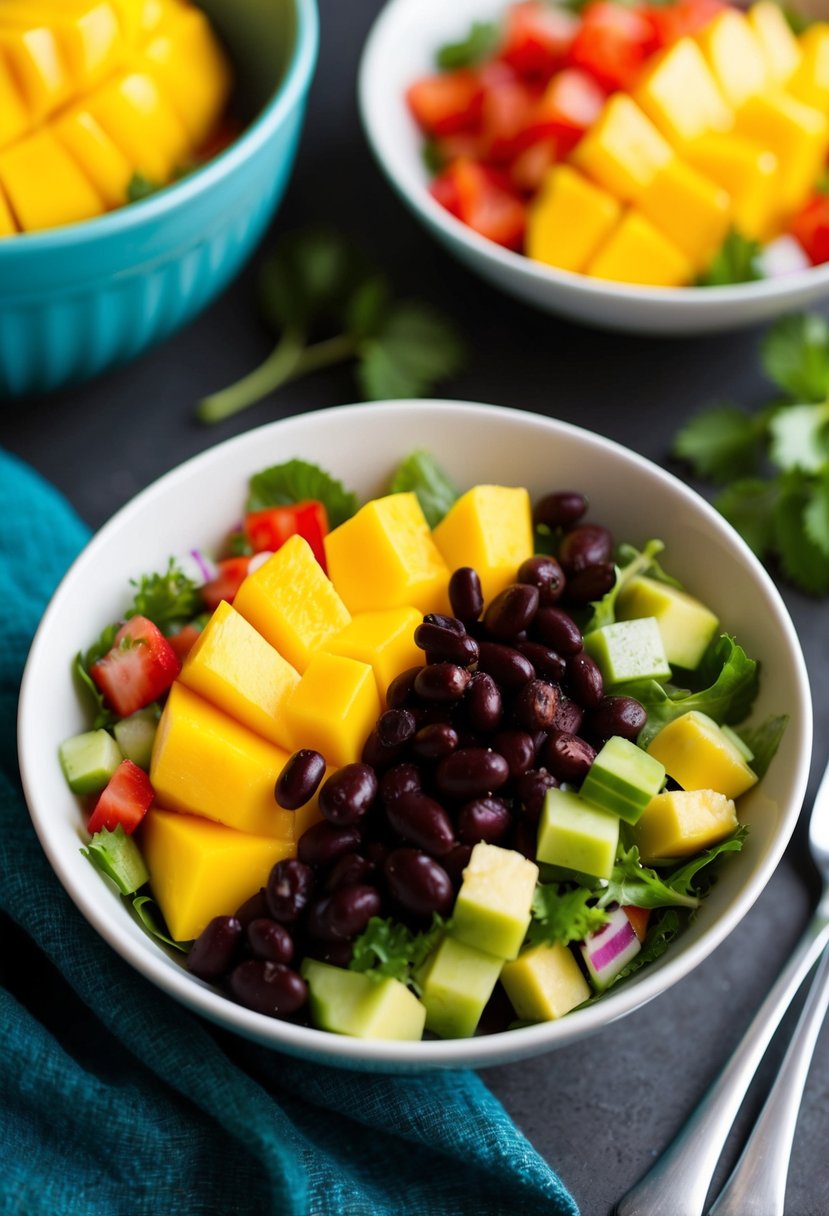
(114, 1099)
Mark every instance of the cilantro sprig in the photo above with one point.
(772, 464)
(561, 916)
(298, 480)
(329, 305)
(388, 948)
(736, 261)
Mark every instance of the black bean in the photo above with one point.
(441, 682)
(289, 887)
(619, 715)
(323, 843)
(401, 690)
(486, 819)
(511, 612)
(445, 645)
(298, 781)
(569, 716)
(590, 584)
(350, 870)
(546, 574)
(483, 703)
(465, 594)
(525, 838)
(560, 510)
(470, 772)
(531, 790)
(378, 755)
(435, 740)
(548, 663)
(395, 727)
(270, 988)
(518, 747)
(401, 779)
(269, 939)
(507, 666)
(257, 905)
(338, 954)
(584, 678)
(344, 913)
(420, 820)
(557, 629)
(536, 704)
(568, 757)
(452, 623)
(348, 794)
(216, 947)
(419, 883)
(584, 545)
(456, 861)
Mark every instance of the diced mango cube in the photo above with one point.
(699, 756)
(680, 95)
(776, 38)
(103, 163)
(333, 707)
(384, 639)
(544, 983)
(747, 171)
(490, 529)
(35, 62)
(44, 185)
(233, 667)
(569, 219)
(88, 34)
(200, 869)
(678, 823)
(796, 133)
(188, 63)
(292, 603)
(141, 122)
(14, 116)
(637, 252)
(8, 226)
(623, 150)
(209, 764)
(810, 82)
(735, 57)
(689, 209)
(384, 556)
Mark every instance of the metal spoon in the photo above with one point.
(678, 1184)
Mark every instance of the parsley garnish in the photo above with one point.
(736, 261)
(561, 916)
(169, 600)
(478, 45)
(296, 481)
(387, 948)
(140, 186)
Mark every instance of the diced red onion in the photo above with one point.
(610, 948)
(258, 560)
(782, 256)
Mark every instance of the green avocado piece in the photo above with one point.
(492, 908)
(136, 734)
(628, 651)
(89, 760)
(623, 779)
(687, 627)
(580, 838)
(348, 1002)
(456, 981)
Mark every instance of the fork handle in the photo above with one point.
(677, 1185)
(757, 1186)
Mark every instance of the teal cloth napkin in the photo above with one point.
(116, 1100)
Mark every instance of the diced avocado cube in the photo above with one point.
(544, 983)
(492, 908)
(699, 755)
(679, 823)
(577, 836)
(456, 983)
(89, 760)
(685, 625)
(623, 779)
(348, 1002)
(136, 733)
(629, 650)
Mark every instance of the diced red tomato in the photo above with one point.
(680, 19)
(270, 528)
(638, 918)
(612, 44)
(507, 111)
(447, 102)
(571, 103)
(530, 167)
(125, 799)
(810, 227)
(537, 38)
(140, 666)
(184, 641)
(232, 573)
(484, 200)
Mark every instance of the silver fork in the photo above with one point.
(678, 1184)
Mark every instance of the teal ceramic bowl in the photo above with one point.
(85, 297)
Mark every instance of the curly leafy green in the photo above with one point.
(389, 948)
(561, 916)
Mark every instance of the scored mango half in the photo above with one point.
(96, 92)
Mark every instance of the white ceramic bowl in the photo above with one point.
(196, 503)
(401, 48)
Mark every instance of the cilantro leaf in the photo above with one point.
(478, 45)
(799, 437)
(801, 560)
(169, 600)
(414, 348)
(720, 443)
(139, 186)
(435, 491)
(763, 740)
(633, 883)
(684, 879)
(389, 948)
(563, 916)
(298, 480)
(309, 275)
(816, 513)
(795, 356)
(644, 562)
(736, 261)
(117, 857)
(748, 506)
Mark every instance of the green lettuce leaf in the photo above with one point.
(561, 916)
(298, 480)
(435, 491)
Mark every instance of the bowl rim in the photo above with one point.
(391, 1055)
(294, 82)
(390, 158)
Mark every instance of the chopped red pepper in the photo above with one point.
(267, 530)
(125, 799)
(811, 228)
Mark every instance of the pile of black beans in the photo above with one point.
(507, 706)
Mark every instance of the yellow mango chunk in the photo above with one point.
(747, 171)
(207, 763)
(810, 82)
(199, 869)
(292, 603)
(87, 33)
(699, 756)
(689, 209)
(44, 185)
(544, 983)
(384, 556)
(623, 150)
(14, 117)
(637, 252)
(191, 68)
(488, 528)
(678, 823)
(796, 133)
(384, 640)
(569, 219)
(8, 227)
(680, 95)
(735, 57)
(35, 62)
(233, 667)
(142, 123)
(777, 41)
(96, 155)
(333, 708)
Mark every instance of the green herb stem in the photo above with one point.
(280, 365)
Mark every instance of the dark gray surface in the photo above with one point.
(602, 1111)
